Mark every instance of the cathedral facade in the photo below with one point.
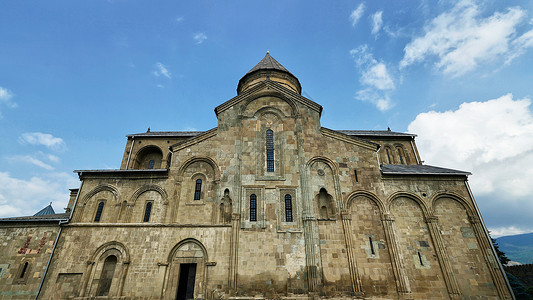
(269, 204)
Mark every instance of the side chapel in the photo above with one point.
(269, 204)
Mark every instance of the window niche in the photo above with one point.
(99, 210)
(269, 145)
(226, 208)
(326, 205)
(253, 215)
(288, 215)
(23, 272)
(149, 157)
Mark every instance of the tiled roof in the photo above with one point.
(39, 218)
(419, 170)
(268, 63)
(358, 133)
(166, 134)
(46, 211)
(379, 133)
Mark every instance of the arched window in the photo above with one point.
(253, 207)
(24, 269)
(99, 211)
(106, 278)
(270, 150)
(388, 155)
(151, 164)
(400, 155)
(147, 211)
(288, 208)
(198, 189)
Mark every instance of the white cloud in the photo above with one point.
(180, 19)
(461, 39)
(5, 98)
(19, 197)
(45, 139)
(199, 38)
(376, 78)
(492, 139)
(162, 70)
(32, 160)
(496, 232)
(357, 14)
(377, 22)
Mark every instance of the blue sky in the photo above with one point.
(77, 76)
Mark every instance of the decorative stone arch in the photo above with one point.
(269, 110)
(146, 188)
(92, 277)
(369, 195)
(138, 159)
(188, 252)
(78, 216)
(411, 196)
(101, 188)
(470, 211)
(270, 93)
(335, 170)
(205, 159)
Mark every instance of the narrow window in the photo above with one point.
(24, 269)
(288, 208)
(371, 245)
(270, 150)
(99, 211)
(400, 154)
(420, 258)
(108, 270)
(388, 155)
(253, 207)
(151, 164)
(147, 212)
(198, 189)
(356, 179)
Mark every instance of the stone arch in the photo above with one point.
(269, 110)
(149, 187)
(147, 153)
(86, 211)
(335, 189)
(136, 209)
(100, 188)
(371, 196)
(187, 252)
(91, 284)
(271, 93)
(205, 159)
(411, 196)
(469, 209)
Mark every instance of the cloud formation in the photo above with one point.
(357, 14)
(199, 38)
(32, 160)
(19, 197)
(461, 39)
(162, 70)
(5, 98)
(44, 139)
(493, 140)
(375, 77)
(377, 22)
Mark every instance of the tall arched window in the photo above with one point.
(400, 155)
(288, 208)
(99, 211)
(270, 150)
(253, 207)
(388, 155)
(147, 211)
(198, 189)
(24, 269)
(106, 278)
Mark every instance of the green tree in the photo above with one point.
(501, 256)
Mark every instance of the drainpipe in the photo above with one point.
(57, 239)
(131, 149)
(488, 237)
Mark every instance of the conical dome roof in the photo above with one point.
(269, 69)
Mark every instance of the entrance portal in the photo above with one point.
(186, 282)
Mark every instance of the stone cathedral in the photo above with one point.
(269, 204)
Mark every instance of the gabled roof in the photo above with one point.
(46, 211)
(420, 170)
